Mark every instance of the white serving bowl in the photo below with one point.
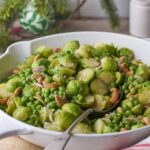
(17, 52)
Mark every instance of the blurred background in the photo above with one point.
(28, 19)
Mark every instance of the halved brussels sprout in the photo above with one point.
(84, 51)
(76, 87)
(18, 101)
(52, 126)
(147, 112)
(30, 91)
(72, 108)
(109, 64)
(44, 51)
(3, 91)
(85, 102)
(99, 126)
(103, 50)
(143, 72)
(90, 62)
(107, 77)
(71, 46)
(127, 103)
(98, 87)
(21, 113)
(12, 84)
(11, 107)
(144, 95)
(40, 62)
(29, 60)
(126, 52)
(85, 75)
(119, 78)
(82, 128)
(64, 119)
(137, 110)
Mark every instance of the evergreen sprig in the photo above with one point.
(111, 12)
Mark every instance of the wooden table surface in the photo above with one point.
(16, 143)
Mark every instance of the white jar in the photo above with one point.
(140, 18)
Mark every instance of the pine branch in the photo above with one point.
(111, 12)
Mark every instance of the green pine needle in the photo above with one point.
(111, 11)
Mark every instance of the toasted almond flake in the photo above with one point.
(3, 101)
(9, 100)
(18, 91)
(37, 57)
(60, 101)
(57, 50)
(51, 85)
(15, 70)
(123, 129)
(38, 69)
(38, 85)
(39, 98)
(146, 120)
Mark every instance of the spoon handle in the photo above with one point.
(60, 142)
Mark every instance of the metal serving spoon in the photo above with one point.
(60, 142)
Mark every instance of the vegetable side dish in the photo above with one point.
(53, 87)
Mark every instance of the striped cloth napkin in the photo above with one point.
(143, 145)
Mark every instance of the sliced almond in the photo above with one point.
(15, 70)
(51, 85)
(3, 101)
(146, 120)
(57, 50)
(37, 57)
(123, 129)
(39, 98)
(38, 85)
(18, 91)
(38, 69)
(60, 101)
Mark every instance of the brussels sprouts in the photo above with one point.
(126, 52)
(109, 64)
(82, 128)
(107, 129)
(84, 51)
(67, 61)
(143, 72)
(71, 46)
(11, 107)
(76, 87)
(85, 75)
(40, 62)
(18, 101)
(90, 62)
(29, 60)
(30, 91)
(127, 103)
(98, 126)
(144, 95)
(102, 102)
(44, 51)
(64, 119)
(147, 112)
(12, 84)
(119, 78)
(52, 126)
(137, 126)
(103, 50)
(72, 108)
(4, 91)
(84, 102)
(21, 113)
(98, 87)
(106, 76)
(137, 110)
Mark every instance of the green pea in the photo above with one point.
(133, 90)
(136, 102)
(127, 126)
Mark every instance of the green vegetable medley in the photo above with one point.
(51, 89)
